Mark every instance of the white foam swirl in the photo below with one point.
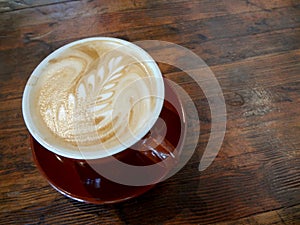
(91, 94)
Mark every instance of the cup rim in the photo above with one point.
(77, 154)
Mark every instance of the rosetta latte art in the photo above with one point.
(82, 98)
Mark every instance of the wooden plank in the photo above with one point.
(45, 12)
(288, 216)
(257, 68)
(46, 30)
(13, 5)
(103, 25)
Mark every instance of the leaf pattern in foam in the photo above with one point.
(96, 91)
(80, 111)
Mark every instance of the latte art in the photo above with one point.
(94, 93)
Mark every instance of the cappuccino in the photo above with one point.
(93, 98)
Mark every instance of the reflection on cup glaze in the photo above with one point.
(79, 89)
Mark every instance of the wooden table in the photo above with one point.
(252, 47)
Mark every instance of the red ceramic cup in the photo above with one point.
(97, 177)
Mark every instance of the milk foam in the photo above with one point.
(94, 93)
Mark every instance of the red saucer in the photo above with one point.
(77, 180)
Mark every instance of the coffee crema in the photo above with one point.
(94, 93)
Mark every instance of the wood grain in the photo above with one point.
(251, 46)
